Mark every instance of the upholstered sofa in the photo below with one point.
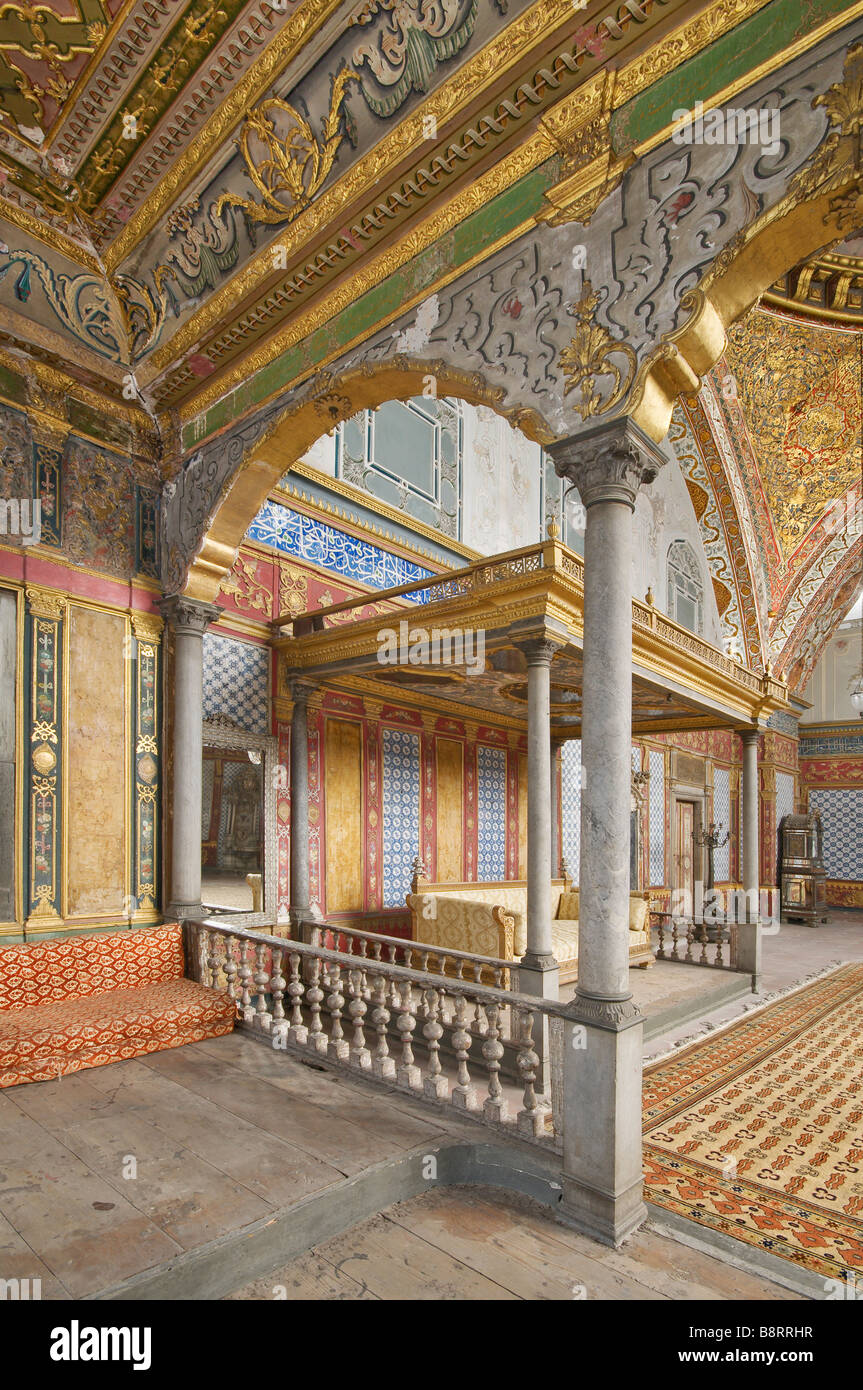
(490, 919)
(85, 1001)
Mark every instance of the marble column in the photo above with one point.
(602, 1171)
(749, 933)
(556, 844)
(300, 909)
(189, 620)
(538, 972)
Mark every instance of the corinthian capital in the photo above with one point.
(609, 462)
(189, 615)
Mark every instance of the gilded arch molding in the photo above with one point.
(572, 323)
(210, 506)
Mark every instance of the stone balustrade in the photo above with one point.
(440, 1037)
(419, 955)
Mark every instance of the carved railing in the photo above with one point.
(436, 1037)
(690, 942)
(454, 585)
(416, 955)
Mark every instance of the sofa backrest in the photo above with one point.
(49, 971)
(508, 894)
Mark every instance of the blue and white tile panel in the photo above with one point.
(307, 538)
(237, 682)
(722, 814)
(400, 789)
(842, 817)
(490, 813)
(570, 804)
(656, 818)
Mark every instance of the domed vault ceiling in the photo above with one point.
(772, 452)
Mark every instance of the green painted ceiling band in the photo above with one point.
(482, 228)
(730, 58)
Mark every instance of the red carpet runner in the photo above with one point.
(758, 1133)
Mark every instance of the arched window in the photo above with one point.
(409, 454)
(685, 586)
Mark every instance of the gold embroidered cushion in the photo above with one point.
(567, 908)
(638, 910)
(564, 941)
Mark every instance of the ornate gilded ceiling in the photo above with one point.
(773, 453)
(204, 203)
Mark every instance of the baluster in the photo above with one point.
(702, 960)
(383, 1064)
(314, 996)
(392, 985)
(262, 979)
(690, 937)
(464, 1096)
(496, 1107)
(277, 986)
(720, 935)
(660, 952)
(435, 1085)
(359, 1053)
(230, 968)
(530, 1119)
(337, 1048)
(297, 1032)
(245, 973)
(408, 1072)
(459, 974)
(213, 958)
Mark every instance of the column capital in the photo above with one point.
(49, 433)
(609, 462)
(188, 615)
(749, 736)
(540, 651)
(46, 603)
(300, 691)
(146, 627)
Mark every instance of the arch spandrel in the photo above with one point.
(573, 324)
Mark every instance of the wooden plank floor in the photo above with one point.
(481, 1243)
(222, 1133)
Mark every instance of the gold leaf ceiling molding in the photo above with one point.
(799, 387)
(447, 102)
(783, 409)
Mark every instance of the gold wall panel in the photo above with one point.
(522, 815)
(97, 756)
(344, 826)
(450, 811)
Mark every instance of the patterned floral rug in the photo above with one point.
(758, 1133)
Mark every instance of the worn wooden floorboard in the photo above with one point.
(477, 1243)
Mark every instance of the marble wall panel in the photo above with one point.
(97, 763)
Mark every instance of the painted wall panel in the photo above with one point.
(522, 815)
(97, 762)
(344, 810)
(450, 784)
(8, 669)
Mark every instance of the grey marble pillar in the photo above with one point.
(602, 1174)
(301, 909)
(556, 846)
(538, 972)
(749, 933)
(189, 620)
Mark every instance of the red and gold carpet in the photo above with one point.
(758, 1132)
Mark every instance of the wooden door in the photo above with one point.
(684, 855)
